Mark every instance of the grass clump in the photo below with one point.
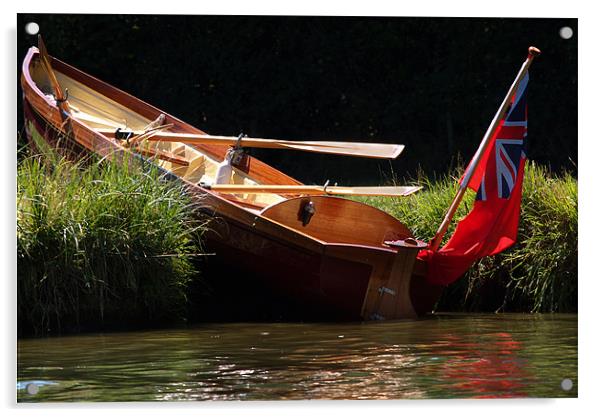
(543, 266)
(538, 274)
(100, 243)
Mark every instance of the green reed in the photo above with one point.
(101, 244)
(538, 274)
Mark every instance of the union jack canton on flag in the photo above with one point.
(509, 146)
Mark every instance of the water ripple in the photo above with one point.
(445, 356)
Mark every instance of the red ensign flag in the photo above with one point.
(492, 224)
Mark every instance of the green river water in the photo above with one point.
(440, 356)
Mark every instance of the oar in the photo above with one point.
(167, 156)
(81, 115)
(61, 99)
(369, 150)
(311, 190)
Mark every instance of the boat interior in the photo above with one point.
(107, 109)
(101, 112)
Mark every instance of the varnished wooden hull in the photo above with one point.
(337, 264)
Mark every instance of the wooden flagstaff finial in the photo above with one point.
(533, 51)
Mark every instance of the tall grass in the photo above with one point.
(100, 243)
(538, 274)
(543, 267)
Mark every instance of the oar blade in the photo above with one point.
(366, 150)
(90, 118)
(46, 63)
(42, 49)
(396, 191)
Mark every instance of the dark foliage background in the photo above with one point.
(432, 84)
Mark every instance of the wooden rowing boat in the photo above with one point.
(343, 258)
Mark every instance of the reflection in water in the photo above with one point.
(497, 371)
(439, 357)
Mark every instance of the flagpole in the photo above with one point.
(436, 241)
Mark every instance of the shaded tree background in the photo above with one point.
(432, 84)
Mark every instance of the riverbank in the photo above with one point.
(105, 246)
(538, 274)
(101, 245)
